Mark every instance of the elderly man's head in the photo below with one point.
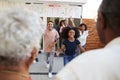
(19, 36)
(108, 23)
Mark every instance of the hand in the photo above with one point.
(52, 45)
(57, 53)
(71, 19)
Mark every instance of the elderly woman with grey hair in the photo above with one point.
(19, 43)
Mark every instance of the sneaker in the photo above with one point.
(48, 65)
(50, 75)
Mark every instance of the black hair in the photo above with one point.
(83, 24)
(62, 21)
(50, 21)
(56, 21)
(66, 31)
(110, 10)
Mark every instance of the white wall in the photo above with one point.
(76, 2)
(90, 8)
(53, 1)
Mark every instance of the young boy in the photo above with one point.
(50, 38)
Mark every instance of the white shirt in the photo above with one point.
(83, 37)
(99, 64)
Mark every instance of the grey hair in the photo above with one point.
(110, 10)
(20, 32)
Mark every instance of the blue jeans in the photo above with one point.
(68, 58)
(49, 58)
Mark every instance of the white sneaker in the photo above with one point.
(48, 65)
(50, 75)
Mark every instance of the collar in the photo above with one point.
(115, 41)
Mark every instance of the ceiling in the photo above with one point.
(71, 2)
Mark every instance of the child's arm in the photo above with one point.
(56, 41)
(81, 48)
(60, 50)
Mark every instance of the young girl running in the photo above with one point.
(70, 44)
